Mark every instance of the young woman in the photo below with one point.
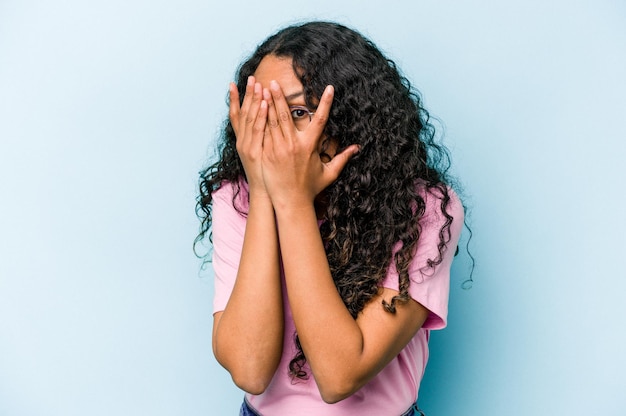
(333, 228)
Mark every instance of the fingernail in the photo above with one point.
(266, 94)
(274, 85)
(250, 80)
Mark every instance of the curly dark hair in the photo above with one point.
(377, 200)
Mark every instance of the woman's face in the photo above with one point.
(280, 69)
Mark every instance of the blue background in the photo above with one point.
(108, 109)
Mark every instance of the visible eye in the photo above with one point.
(299, 113)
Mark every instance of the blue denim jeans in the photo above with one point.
(247, 410)
(413, 411)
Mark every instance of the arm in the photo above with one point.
(343, 353)
(248, 334)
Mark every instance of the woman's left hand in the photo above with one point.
(293, 172)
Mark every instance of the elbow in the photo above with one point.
(334, 391)
(250, 378)
(251, 374)
(251, 383)
(332, 398)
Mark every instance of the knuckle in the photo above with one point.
(284, 116)
(258, 128)
(233, 113)
(322, 120)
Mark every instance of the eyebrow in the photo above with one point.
(294, 95)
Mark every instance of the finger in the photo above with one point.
(258, 130)
(272, 116)
(336, 165)
(249, 90)
(247, 100)
(233, 108)
(268, 145)
(320, 118)
(252, 112)
(253, 109)
(275, 138)
(266, 135)
(282, 110)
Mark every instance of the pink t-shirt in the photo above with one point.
(395, 388)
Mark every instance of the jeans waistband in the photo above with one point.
(247, 410)
(413, 411)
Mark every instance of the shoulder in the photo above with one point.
(234, 194)
(442, 206)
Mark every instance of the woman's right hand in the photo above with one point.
(249, 122)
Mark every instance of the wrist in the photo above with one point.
(259, 196)
(293, 207)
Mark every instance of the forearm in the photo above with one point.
(248, 335)
(343, 353)
(331, 339)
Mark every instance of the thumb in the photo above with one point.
(339, 161)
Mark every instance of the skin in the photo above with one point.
(285, 174)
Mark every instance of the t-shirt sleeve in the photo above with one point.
(228, 231)
(430, 286)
